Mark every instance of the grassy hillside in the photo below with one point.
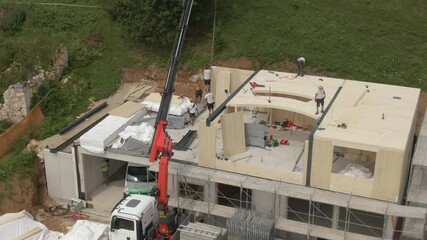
(96, 48)
(380, 41)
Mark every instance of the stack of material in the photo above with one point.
(201, 231)
(23, 226)
(246, 225)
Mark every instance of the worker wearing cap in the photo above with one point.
(319, 98)
(301, 65)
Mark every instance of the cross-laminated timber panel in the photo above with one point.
(221, 82)
(295, 191)
(384, 185)
(237, 76)
(207, 146)
(233, 133)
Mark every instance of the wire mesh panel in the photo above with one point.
(247, 225)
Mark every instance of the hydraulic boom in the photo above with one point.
(162, 143)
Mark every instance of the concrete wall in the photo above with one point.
(91, 174)
(60, 175)
(264, 202)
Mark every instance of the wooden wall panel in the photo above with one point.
(222, 82)
(233, 133)
(304, 158)
(387, 175)
(351, 185)
(207, 145)
(321, 167)
(238, 77)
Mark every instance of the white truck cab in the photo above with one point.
(134, 218)
(138, 179)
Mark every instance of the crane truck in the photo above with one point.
(149, 217)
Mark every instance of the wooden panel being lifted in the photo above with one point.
(233, 133)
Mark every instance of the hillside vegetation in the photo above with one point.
(379, 41)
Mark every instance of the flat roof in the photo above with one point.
(376, 115)
(360, 105)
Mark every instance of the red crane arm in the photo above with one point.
(162, 143)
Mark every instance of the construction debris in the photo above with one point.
(201, 231)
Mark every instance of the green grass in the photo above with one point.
(19, 161)
(380, 41)
(97, 51)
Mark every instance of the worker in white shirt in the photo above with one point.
(207, 78)
(192, 111)
(319, 98)
(301, 65)
(210, 101)
(227, 93)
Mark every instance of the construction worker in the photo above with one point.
(192, 111)
(210, 100)
(227, 93)
(198, 92)
(301, 65)
(319, 98)
(105, 165)
(207, 78)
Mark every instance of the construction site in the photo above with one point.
(249, 156)
(341, 175)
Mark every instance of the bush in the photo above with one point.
(155, 22)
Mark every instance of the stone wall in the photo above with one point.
(17, 102)
(17, 98)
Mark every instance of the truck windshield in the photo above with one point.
(119, 223)
(140, 174)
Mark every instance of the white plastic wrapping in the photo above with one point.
(356, 170)
(87, 230)
(14, 225)
(101, 135)
(175, 109)
(143, 133)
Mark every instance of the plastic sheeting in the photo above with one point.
(175, 109)
(100, 136)
(143, 133)
(356, 170)
(15, 225)
(87, 230)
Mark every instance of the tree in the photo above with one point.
(154, 21)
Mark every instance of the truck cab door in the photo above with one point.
(123, 229)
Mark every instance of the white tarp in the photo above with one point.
(356, 170)
(143, 133)
(87, 230)
(100, 136)
(175, 109)
(22, 225)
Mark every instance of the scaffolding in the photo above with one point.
(247, 225)
(345, 221)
